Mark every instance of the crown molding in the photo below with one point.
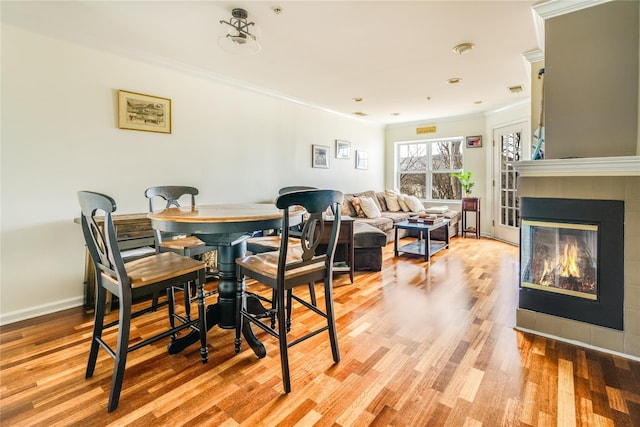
(534, 56)
(553, 8)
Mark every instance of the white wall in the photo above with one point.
(60, 135)
(477, 160)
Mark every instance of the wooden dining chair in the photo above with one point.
(261, 244)
(166, 196)
(128, 281)
(296, 263)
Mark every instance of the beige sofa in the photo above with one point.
(371, 234)
(388, 218)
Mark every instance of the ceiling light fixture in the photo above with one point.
(463, 48)
(238, 38)
(454, 80)
(516, 89)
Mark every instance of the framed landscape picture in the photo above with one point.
(343, 149)
(138, 111)
(320, 156)
(362, 160)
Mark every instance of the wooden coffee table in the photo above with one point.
(423, 245)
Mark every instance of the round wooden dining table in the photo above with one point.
(226, 226)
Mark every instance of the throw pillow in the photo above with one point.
(356, 202)
(371, 194)
(370, 207)
(391, 197)
(402, 202)
(347, 206)
(414, 204)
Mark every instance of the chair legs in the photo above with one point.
(98, 324)
(121, 352)
(331, 320)
(283, 322)
(125, 316)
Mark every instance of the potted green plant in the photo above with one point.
(465, 181)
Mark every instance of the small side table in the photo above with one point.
(471, 204)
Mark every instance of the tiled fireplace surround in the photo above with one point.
(579, 179)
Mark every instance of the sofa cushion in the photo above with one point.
(367, 236)
(396, 216)
(381, 201)
(414, 204)
(357, 206)
(369, 207)
(403, 203)
(371, 194)
(391, 198)
(347, 206)
(382, 223)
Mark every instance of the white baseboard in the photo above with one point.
(578, 343)
(40, 310)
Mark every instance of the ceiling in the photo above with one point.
(395, 55)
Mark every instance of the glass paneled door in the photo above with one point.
(509, 143)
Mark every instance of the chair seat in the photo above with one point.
(156, 268)
(267, 263)
(268, 243)
(182, 243)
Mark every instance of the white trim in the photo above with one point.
(40, 310)
(578, 343)
(553, 8)
(534, 56)
(590, 166)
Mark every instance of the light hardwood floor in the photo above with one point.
(420, 347)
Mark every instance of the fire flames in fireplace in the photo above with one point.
(560, 258)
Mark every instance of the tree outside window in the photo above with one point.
(425, 168)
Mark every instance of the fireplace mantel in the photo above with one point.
(592, 166)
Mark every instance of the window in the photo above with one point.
(425, 168)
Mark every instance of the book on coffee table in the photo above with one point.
(426, 219)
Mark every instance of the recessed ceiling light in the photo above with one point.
(454, 80)
(477, 102)
(516, 89)
(395, 114)
(360, 113)
(463, 48)
(357, 99)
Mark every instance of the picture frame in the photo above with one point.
(320, 156)
(138, 111)
(362, 159)
(343, 149)
(474, 141)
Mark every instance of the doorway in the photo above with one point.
(508, 147)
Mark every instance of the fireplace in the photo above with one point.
(572, 259)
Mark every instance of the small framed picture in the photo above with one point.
(362, 160)
(474, 141)
(138, 111)
(320, 156)
(343, 149)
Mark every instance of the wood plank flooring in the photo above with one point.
(420, 347)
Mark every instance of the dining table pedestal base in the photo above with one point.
(223, 313)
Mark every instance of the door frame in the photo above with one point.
(511, 236)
